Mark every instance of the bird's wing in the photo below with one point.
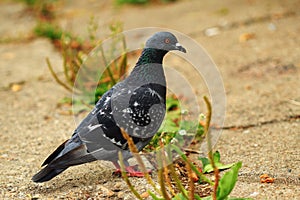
(141, 113)
(102, 107)
(99, 133)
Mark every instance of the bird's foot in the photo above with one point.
(131, 172)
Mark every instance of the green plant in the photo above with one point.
(207, 167)
(74, 51)
(222, 187)
(43, 9)
(49, 30)
(174, 128)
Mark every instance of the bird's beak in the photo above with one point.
(179, 47)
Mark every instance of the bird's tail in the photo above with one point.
(46, 174)
(57, 163)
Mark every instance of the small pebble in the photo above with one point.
(212, 31)
(118, 185)
(16, 87)
(120, 195)
(107, 192)
(254, 194)
(246, 36)
(272, 27)
(145, 195)
(5, 155)
(35, 197)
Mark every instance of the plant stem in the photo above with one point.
(107, 67)
(161, 176)
(137, 156)
(209, 147)
(123, 64)
(191, 182)
(175, 177)
(55, 76)
(166, 169)
(125, 177)
(65, 60)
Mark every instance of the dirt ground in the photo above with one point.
(256, 47)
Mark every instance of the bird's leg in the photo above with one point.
(118, 170)
(131, 170)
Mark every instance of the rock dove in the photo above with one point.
(135, 104)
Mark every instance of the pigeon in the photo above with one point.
(136, 105)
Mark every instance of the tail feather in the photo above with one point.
(46, 174)
(78, 155)
(55, 153)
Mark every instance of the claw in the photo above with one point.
(134, 173)
(131, 171)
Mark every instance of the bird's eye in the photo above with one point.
(167, 40)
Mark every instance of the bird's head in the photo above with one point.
(165, 41)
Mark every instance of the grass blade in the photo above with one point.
(55, 76)
(137, 156)
(125, 177)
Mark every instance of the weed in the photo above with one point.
(222, 187)
(74, 51)
(175, 129)
(43, 9)
(49, 30)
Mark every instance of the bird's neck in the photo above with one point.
(150, 55)
(149, 68)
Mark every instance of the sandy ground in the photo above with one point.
(261, 78)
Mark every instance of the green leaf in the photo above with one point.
(179, 196)
(220, 166)
(169, 126)
(230, 198)
(188, 125)
(216, 157)
(227, 182)
(207, 198)
(154, 196)
(172, 103)
(197, 197)
(207, 167)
